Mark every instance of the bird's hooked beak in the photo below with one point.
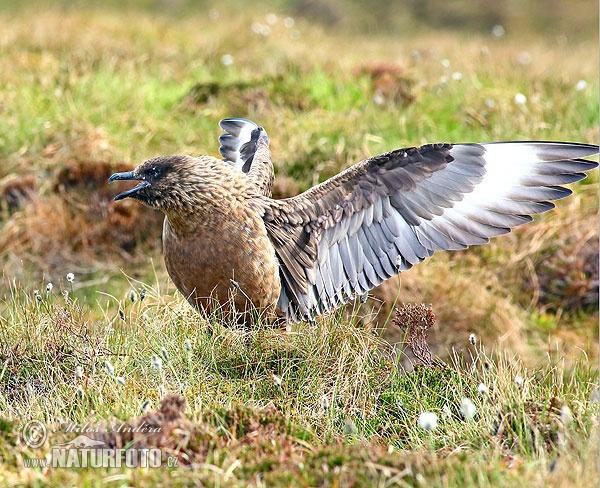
(128, 175)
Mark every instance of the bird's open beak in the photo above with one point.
(128, 175)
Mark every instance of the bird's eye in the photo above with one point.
(154, 173)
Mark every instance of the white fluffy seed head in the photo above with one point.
(109, 368)
(70, 277)
(467, 408)
(566, 415)
(482, 389)
(156, 362)
(428, 421)
(78, 372)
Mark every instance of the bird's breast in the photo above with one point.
(225, 258)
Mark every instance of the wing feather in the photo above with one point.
(390, 212)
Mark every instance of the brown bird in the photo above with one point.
(224, 237)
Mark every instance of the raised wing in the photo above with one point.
(387, 213)
(245, 146)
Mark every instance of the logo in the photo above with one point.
(34, 433)
(86, 452)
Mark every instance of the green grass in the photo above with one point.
(85, 92)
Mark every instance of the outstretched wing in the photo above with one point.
(245, 146)
(387, 213)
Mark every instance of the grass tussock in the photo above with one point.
(310, 404)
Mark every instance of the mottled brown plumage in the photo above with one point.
(224, 237)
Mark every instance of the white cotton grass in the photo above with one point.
(227, 60)
(78, 372)
(467, 408)
(482, 389)
(498, 31)
(581, 85)
(70, 277)
(428, 421)
(132, 296)
(325, 403)
(520, 99)
(156, 363)
(519, 380)
(49, 287)
(277, 380)
(473, 339)
(109, 368)
(187, 345)
(566, 415)
(164, 354)
(120, 380)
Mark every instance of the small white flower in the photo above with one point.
(227, 60)
(524, 58)
(70, 277)
(271, 18)
(132, 295)
(187, 345)
(581, 85)
(49, 287)
(261, 29)
(519, 380)
(473, 339)
(467, 408)
(289, 22)
(156, 362)
(428, 421)
(349, 428)
(457, 76)
(109, 368)
(120, 380)
(36, 294)
(520, 99)
(566, 415)
(78, 372)
(277, 380)
(482, 389)
(164, 353)
(498, 31)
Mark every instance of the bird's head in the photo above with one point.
(166, 182)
